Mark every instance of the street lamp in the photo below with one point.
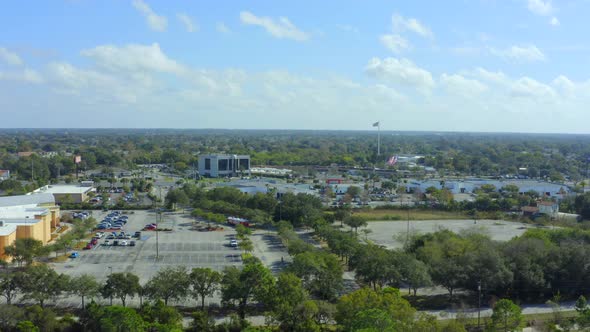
(478, 302)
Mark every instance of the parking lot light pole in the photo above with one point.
(478, 303)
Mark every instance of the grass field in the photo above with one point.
(398, 214)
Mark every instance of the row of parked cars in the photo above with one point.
(113, 220)
(81, 215)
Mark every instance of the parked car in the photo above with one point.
(89, 246)
(233, 243)
(99, 235)
(107, 243)
(74, 255)
(116, 227)
(115, 243)
(132, 243)
(123, 243)
(137, 234)
(110, 237)
(94, 242)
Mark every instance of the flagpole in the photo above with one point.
(379, 138)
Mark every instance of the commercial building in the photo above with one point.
(67, 193)
(27, 216)
(223, 165)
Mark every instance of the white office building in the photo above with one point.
(223, 165)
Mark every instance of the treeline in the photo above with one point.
(299, 209)
(545, 156)
(534, 266)
(283, 300)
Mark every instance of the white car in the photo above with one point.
(99, 235)
(123, 243)
(233, 243)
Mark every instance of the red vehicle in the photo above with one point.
(151, 227)
(89, 246)
(94, 242)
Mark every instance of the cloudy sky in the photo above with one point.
(487, 65)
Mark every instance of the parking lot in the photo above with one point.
(392, 234)
(154, 250)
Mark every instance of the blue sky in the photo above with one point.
(489, 65)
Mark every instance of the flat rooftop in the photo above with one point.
(21, 213)
(7, 229)
(29, 199)
(63, 189)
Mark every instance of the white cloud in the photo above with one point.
(554, 21)
(9, 57)
(134, 57)
(188, 22)
(25, 75)
(520, 53)
(155, 21)
(540, 7)
(400, 71)
(564, 84)
(394, 43)
(489, 76)
(221, 27)
(461, 85)
(401, 24)
(283, 28)
(527, 87)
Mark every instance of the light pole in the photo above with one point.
(478, 303)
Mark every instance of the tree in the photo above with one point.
(354, 191)
(355, 222)
(169, 283)
(41, 283)
(24, 250)
(376, 266)
(288, 296)
(202, 322)
(341, 214)
(9, 286)
(239, 287)
(204, 282)
(114, 318)
(583, 319)
(10, 315)
(385, 306)
(246, 245)
(582, 205)
(416, 274)
(321, 273)
(507, 316)
(242, 231)
(161, 317)
(120, 285)
(84, 286)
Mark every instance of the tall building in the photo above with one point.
(223, 165)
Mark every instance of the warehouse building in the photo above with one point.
(67, 193)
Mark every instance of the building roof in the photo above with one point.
(7, 229)
(20, 213)
(30, 199)
(63, 189)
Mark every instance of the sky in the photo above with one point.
(456, 65)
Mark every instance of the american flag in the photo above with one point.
(391, 161)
